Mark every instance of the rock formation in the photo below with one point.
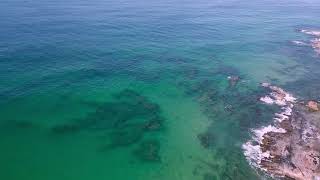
(233, 80)
(315, 42)
(313, 106)
(290, 147)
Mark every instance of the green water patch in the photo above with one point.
(123, 122)
(190, 127)
(233, 109)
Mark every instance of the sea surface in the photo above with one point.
(139, 90)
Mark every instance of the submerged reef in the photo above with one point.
(206, 139)
(148, 150)
(229, 103)
(290, 147)
(124, 122)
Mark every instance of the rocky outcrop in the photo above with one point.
(313, 106)
(295, 153)
(290, 147)
(314, 43)
(233, 80)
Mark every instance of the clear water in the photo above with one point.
(130, 89)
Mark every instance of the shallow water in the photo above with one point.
(139, 90)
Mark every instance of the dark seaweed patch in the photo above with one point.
(18, 124)
(153, 124)
(124, 121)
(206, 139)
(65, 128)
(148, 151)
(126, 137)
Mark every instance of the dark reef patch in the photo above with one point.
(148, 151)
(65, 128)
(206, 139)
(17, 124)
(124, 122)
(229, 103)
(126, 136)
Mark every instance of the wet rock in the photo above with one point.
(292, 152)
(277, 96)
(148, 151)
(315, 43)
(233, 80)
(313, 106)
(286, 124)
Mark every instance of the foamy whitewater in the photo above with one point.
(311, 32)
(314, 43)
(300, 43)
(252, 149)
(289, 147)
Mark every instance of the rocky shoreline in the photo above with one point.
(290, 146)
(314, 43)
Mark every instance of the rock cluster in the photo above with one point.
(314, 43)
(233, 80)
(295, 153)
(313, 106)
(290, 148)
(277, 96)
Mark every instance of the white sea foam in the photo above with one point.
(277, 96)
(252, 149)
(267, 99)
(258, 133)
(284, 114)
(300, 43)
(311, 32)
(290, 98)
(253, 154)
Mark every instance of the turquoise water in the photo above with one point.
(139, 90)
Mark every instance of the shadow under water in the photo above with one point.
(123, 122)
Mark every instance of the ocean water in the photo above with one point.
(139, 90)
